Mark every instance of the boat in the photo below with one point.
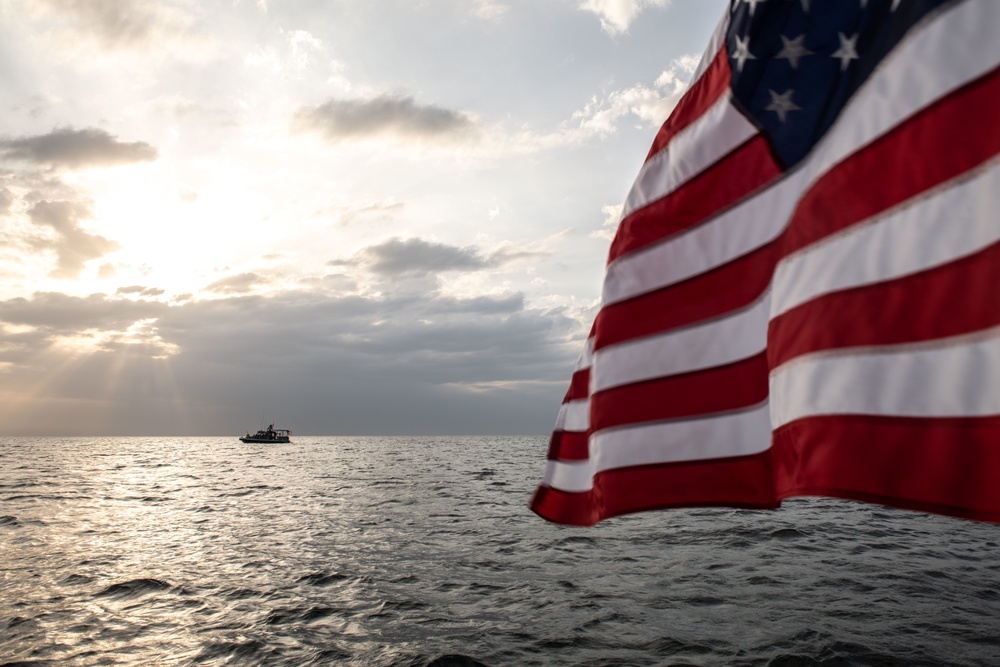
(272, 434)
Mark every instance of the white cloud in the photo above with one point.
(303, 47)
(617, 15)
(612, 216)
(489, 10)
(650, 104)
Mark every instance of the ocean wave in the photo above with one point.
(134, 588)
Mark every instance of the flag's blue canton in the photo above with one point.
(796, 63)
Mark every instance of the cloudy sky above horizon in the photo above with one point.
(345, 217)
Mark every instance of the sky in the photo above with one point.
(345, 217)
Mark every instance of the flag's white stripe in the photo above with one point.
(569, 475)
(574, 416)
(715, 43)
(714, 437)
(586, 356)
(926, 66)
(719, 436)
(956, 221)
(954, 377)
(698, 146)
(737, 336)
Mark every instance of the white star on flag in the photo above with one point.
(793, 49)
(847, 51)
(782, 104)
(742, 53)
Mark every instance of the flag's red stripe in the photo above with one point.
(745, 170)
(956, 298)
(702, 94)
(946, 466)
(731, 387)
(569, 446)
(578, 386)
(565, 507)
(960, 132)
(722, 290)
(735, 482)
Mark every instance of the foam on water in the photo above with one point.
(421, 551)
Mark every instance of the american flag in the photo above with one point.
(803, 294)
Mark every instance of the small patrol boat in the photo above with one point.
(270, 435)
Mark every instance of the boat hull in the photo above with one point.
(266, 440)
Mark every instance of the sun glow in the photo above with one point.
(172, 235)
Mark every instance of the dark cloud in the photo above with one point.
(74, 247)
(417, 257)
(425, 364)
(55, 314)
(398, 256)
(402, 116)
(71, 148)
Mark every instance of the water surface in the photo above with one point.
(421, 551)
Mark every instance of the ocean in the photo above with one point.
(421, 551)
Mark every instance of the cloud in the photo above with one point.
(400, 116)
(368, 213)
(414, 257)
(157, 27)
(238, 284)
(397, 256)
(617, 15)
(56, 314)
(35, 106)
(140, 290)
(651, 104)
(612, 216)
(426, 363)
(303, 45)
(74, 246)
(71, 148)
(489, 10)
(114, 22)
